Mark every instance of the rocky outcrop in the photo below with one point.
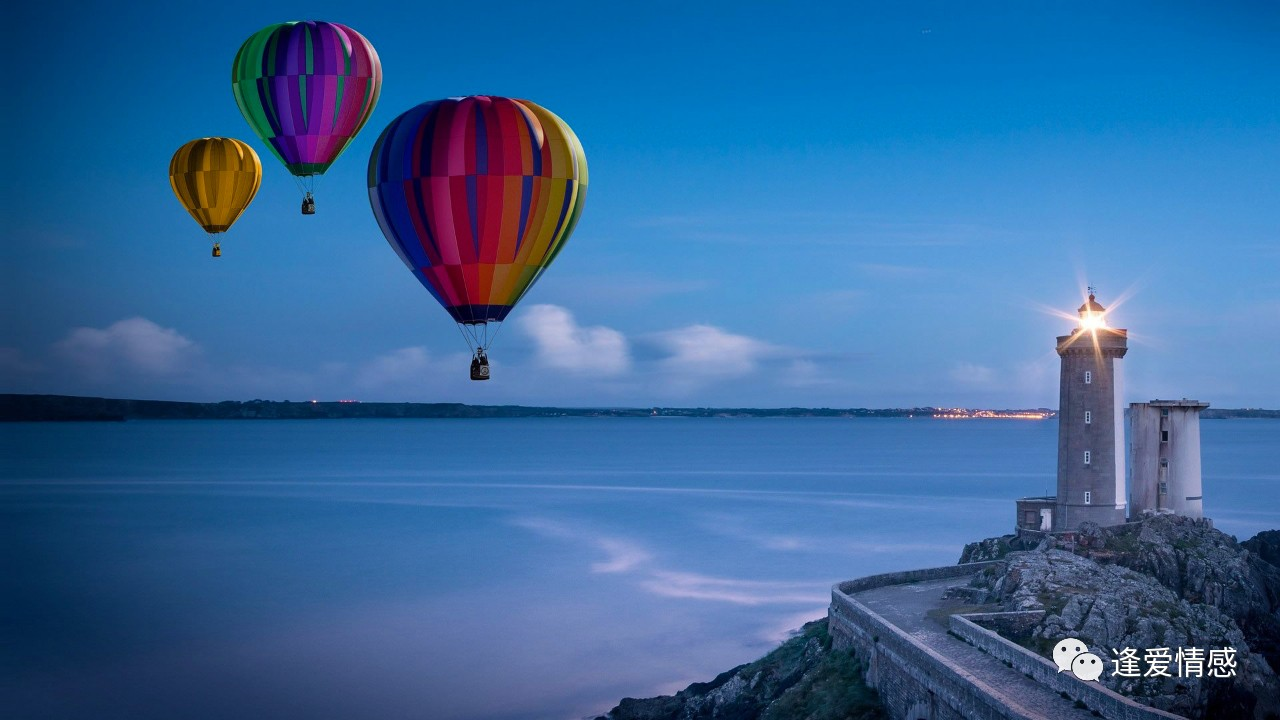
(1204, 565)
(1168, 582)
(804, 679)
(993, 548)
(1265, 545)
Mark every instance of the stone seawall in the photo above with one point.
(849, 587)
(960, 671)
(1095, 696)
(914, 682)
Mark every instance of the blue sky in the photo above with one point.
(838, 205)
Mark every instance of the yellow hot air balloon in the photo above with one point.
(215, 179)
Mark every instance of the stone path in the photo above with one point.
(907, 606)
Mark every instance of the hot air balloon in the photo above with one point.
(215, 179)
(477, 195)
(306, 89)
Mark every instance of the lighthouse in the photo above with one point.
(1164, 441)
(1091, 455)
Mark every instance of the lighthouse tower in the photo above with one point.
(1091, 454)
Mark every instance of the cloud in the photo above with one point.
(135, 345)
(398, 367)
(1037, 377)
(707, 352)
(973, 375)
(563, 344)
(808, 374)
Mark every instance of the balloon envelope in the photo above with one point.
(215, 179)
(477, 195)
(306, 89)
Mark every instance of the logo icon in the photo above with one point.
(1087, 666)
(1066, 651)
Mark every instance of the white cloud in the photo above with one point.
(135, 345)
(973, 375)
(565, 345)
(706, 351)
(802, 373)
(398, 367)
(1037, 378)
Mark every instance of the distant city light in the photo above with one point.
(967, 414)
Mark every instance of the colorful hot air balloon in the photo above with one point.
(477, 195)
(306, 89)
(215, 179)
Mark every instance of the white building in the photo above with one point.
(1164, 457)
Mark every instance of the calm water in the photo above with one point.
(536, 568)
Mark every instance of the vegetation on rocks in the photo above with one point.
(803, 679)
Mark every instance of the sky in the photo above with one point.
(840, 205)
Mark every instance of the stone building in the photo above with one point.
(1164, 440)
(1091, 459)
(1164, 457)
(1091, 423)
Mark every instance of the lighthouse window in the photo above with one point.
(1088, 377)
(1088, 417)
(1088, 457)
(1088, 497)
(1164, 436)
(1164, 488)
(1164, 412)
(1164, 462)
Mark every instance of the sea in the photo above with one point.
(539, 568)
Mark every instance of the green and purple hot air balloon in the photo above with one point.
(306, 89)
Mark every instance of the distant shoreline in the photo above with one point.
(69, 408)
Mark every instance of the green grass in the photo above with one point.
(832, 690)
(794, 682)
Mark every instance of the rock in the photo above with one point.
(1167, 582)
(802, 679)
(1204, 565)
(992, 548)
(1265, 545)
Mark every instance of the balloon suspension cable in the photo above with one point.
(466, 338)
(306, 184)
(477, 335)
(490, 338)
(474, 342)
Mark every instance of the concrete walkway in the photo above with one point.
(907, 607)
